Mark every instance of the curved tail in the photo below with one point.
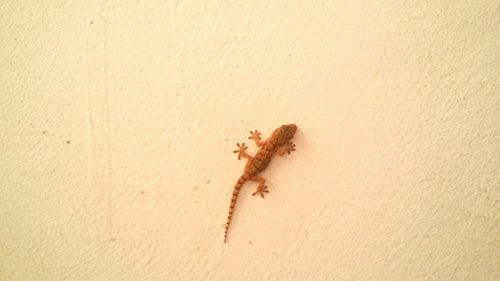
(236, 190)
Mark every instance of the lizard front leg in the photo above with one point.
(242, 151)
(261, 188)
(255, 135)
(286, 148)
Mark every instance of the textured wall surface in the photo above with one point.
(118, 121)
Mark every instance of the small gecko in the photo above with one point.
(279, 142)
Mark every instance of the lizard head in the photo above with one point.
(287, 131)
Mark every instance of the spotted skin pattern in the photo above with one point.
(279, 142)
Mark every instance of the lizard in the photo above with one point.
(279, 142)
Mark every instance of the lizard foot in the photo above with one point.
(241, 150)
(255, 135)
(261, 190)
(287, 148)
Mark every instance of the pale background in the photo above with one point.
(118, 121)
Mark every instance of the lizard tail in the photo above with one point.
(236, 190)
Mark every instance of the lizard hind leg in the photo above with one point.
(261, 188)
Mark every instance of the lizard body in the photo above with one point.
(279, 142)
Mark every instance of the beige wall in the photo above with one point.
(118, 121)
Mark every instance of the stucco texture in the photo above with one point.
(119, 118)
